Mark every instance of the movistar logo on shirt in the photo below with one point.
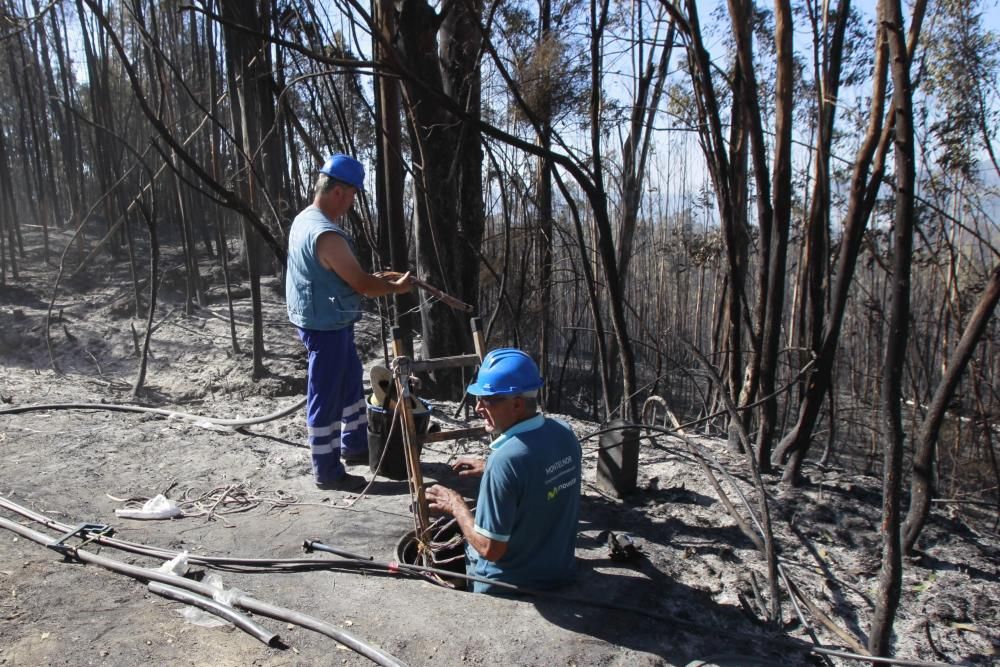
(554, 491)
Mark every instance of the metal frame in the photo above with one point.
(402, 367)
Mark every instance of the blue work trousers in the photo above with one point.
(336, 415)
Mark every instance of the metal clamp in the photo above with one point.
(401, 367)
(88, 532)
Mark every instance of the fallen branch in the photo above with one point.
(764, 522)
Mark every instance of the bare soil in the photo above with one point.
(77, 465)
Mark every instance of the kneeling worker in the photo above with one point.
(524, 529)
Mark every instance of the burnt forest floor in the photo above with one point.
(77, 465)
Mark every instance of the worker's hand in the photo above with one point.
(442, 499)
(469, 467)
(401, 282)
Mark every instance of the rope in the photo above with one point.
(236, 498)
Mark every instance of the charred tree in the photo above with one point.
(442, 51)
(390, 182)
(774, 277)
(870, 157)
(252, 106)
(922, 485)
(890, 581)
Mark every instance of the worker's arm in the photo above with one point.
(444, 499)
(335, 255)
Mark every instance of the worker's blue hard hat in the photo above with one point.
(506, 371)
(346, 169)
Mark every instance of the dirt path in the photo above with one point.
(72, 464)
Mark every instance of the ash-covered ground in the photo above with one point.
(677, 603)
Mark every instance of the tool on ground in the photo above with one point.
(315, 545)
(622, 547)
(88, 532)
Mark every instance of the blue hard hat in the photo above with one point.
(506, 371)
(346, 169)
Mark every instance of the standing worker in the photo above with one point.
(323, 289)
(524, 529)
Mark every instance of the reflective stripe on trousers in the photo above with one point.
(336, 415)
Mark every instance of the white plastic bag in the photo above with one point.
(157, 507)
(177, 565)
(221, 594)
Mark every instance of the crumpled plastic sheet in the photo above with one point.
(220, 594)
(157, 507)
(177, 565)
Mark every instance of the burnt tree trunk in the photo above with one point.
(598, 197)
(774, 277)
(249, 98)
(815, 272)
(543, 176)
(922, 482)
(8, 214)
(890, 581)
(746, 103)
(392, 219)
(793, 447)
(154, 284)
(728, 174)
(442, 51)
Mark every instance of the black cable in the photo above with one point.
(116, 407)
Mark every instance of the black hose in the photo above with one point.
(419, 571)
(115, 407)
(243, 601)
(217, 609)
(315, 545)
(357, 563)
(167, 554)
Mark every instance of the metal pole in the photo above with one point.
(401, 372)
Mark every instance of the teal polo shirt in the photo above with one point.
(529, 497)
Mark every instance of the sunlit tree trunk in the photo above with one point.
(774, 279)
(793, 447)
(890, 581)
(392, 217)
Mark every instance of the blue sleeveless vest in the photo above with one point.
(317, 298)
